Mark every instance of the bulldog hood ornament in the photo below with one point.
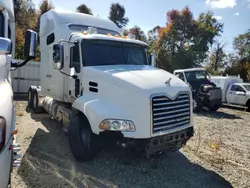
(168, 82)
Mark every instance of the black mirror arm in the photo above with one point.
(21, 64)
(74, 76)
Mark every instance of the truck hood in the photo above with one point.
(139, 78)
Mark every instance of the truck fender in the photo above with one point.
(96, 110)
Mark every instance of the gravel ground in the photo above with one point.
(217, 156)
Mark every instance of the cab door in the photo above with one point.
(74, 84)
(231, 94)
(240, 95)
(236, 95)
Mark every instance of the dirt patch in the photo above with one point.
(217, 156)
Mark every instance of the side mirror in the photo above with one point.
(58, 56)
(5, 46)
(152, 57)
(30, 44)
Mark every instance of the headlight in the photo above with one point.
(117, 125)
(2, 132)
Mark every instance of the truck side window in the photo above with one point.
(181, 76)
(9, 33)
(233, 88)
(75, 58)
(239, 88)
(1, 24)
(50, 39)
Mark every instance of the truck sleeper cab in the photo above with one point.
(205, 93)
(101, 87)
(7, 110)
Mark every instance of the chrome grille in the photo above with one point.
(168, 113)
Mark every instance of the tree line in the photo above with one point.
(184, 42)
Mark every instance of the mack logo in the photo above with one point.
(168, 82)
(181, 119)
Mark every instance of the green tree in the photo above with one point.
(17, 6)
(184, 42)
(242, 44)
(139, 34)
(26, 17)
(117, 15)
(84, 9)
(44, 7)
(125, 32)
(152, 38)
(217, 56)
(241, 63)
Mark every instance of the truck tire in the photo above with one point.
(35, 104)
(214, 108)
(248, 105)
(196, 105)
(83, 143)
(30, 97)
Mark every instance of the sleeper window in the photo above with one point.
(1, 24)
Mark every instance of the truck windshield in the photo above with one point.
(247, 87)
(1, 24)
(196, 75)
(104, 52)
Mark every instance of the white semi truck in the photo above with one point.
(101, 87)
(7, 111)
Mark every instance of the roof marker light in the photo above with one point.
(92, 30)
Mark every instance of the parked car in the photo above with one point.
(234, 90)
(205, 93)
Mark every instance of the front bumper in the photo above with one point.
(215, 102)
(168, 142)
(5, 157)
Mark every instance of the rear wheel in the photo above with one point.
(35, 99)
(30, 98)
(83, 143)
(36, 103)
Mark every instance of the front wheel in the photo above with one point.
(83, 143)
(196, 105)
(214, 108)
